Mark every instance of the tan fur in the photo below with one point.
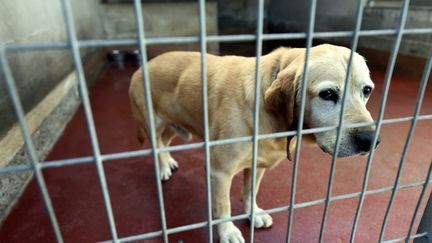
(176, 94)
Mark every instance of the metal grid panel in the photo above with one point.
(16, 102)
(354, 42)
(74, 45)
(259, 40)
(203, 47)
(71, 33)
(299, 133)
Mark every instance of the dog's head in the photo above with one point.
(325, 86)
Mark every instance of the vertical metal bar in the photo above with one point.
(387, 80)
(303, 87)
(419, 202)
(73, 41)
(203, 47)
(420, 97)
(150, 114)
(425, 227)
(12, 90)
(354, 43)
(258, 52)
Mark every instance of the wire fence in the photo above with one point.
(99, 159)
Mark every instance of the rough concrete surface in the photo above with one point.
(43, 139)
(37, 72)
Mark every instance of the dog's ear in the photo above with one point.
(280, 98)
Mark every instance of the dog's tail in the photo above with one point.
(138, 111)
(140, 119)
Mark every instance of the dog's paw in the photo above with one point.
(262, 220)
(172, 163)
(165, 173)
(228, 233)
(166, 169)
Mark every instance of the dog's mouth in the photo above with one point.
(322, 148)
(342, 153)
(364, 153)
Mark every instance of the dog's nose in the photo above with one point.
(364, 140)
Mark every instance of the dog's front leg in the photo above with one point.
(261, 220)
(221, 185)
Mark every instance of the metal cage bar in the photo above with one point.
(354, 42)
(207, 155)
(405, 238)
(142, 152)
(35, 165)
(257, 94)
(198, 225)
(150, 113)
(419, 202)
(420, 96)
(422, 89)
(210, 38)
(74, 44)
(387, 80)
(303, 84)
(82, 85)
(425, 224)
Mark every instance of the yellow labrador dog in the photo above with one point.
(176, 92)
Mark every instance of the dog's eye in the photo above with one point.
(329, 94)
(367, 90)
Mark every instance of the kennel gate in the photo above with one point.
(74, 45)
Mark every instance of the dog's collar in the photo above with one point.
(293, 127)
(275, 72)
(289, 138)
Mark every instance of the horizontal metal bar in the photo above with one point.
(144, 152)
(231, 38)
(210, 38)
(107, 42)
(66, 162)
(268, 211)
(15, 168)
(35, 46)
(249, 138)
(404, 238)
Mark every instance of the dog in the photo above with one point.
(175, 79)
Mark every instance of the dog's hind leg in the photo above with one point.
(167, 164)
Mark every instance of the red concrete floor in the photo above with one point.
(79, 206)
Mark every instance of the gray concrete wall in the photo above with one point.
(37, 72)
(387, 18)
(294, 15)
(160, 20)
(48, 97)
(239, 16)
(41, 21)
(339, 15)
